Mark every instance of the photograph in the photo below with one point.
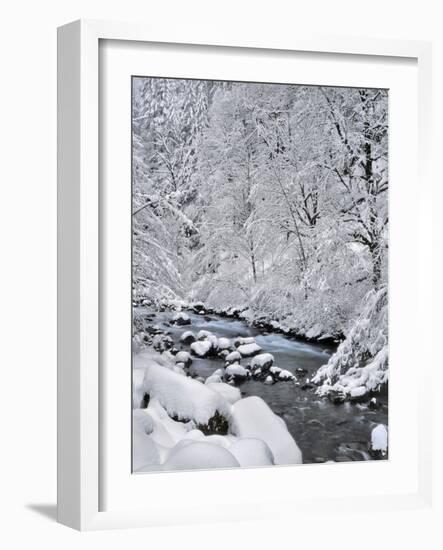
(260, 244)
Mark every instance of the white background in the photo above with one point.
(28, 271)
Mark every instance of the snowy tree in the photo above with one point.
(270, 198)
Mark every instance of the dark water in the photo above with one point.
(322, 430)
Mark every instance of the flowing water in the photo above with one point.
(323, 431)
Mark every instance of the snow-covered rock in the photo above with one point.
(269, 380)
(249, 349)
(200, 455)
(243, 340)
(230, 393)
(202, 348)
(252, 452)
(181, 318)
(183, 397)
(204, 335)
(263, 361)
(358, 392)
(373, 403)
(162, 342)
(145, 451)
(223, 343)
(236, 371)
(187, 337)
(198, 435)
(252, 418)
(198, 307)
(379, 439)
(183, 357)
(179, 368)
(219, 372)
(233, 357)
(154, 433)
(138, 391)
(285, 375)
(281, 374)
(214, 378)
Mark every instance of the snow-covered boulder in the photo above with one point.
(379, 441)
(183, 357)
(138, 391)
(269, 380)
(198, 307)
(243, 340)
(200, 455)
(183, 397)
(205, 335)
(214, 378)
(248, 350)
(202, 348)
(252, 418)
(221, 440)
(162, 342)
(263, 361)
(373, 403)
(230, 393)
(285, 375)
(187, 337)
(179, 368)
(236, 371)
(181, 318)
(219, 372)
(252, 452)
(145, 451)
(281, 374)
(154, 432)
(358, 393)
(233, 357)
(257, 373)
(223, 343)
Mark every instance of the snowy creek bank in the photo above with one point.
(321, 429)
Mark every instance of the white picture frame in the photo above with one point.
(80, 434)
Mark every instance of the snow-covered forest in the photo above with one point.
(268, 204)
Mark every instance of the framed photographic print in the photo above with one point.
(234, 218)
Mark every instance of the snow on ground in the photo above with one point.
(251, 417)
